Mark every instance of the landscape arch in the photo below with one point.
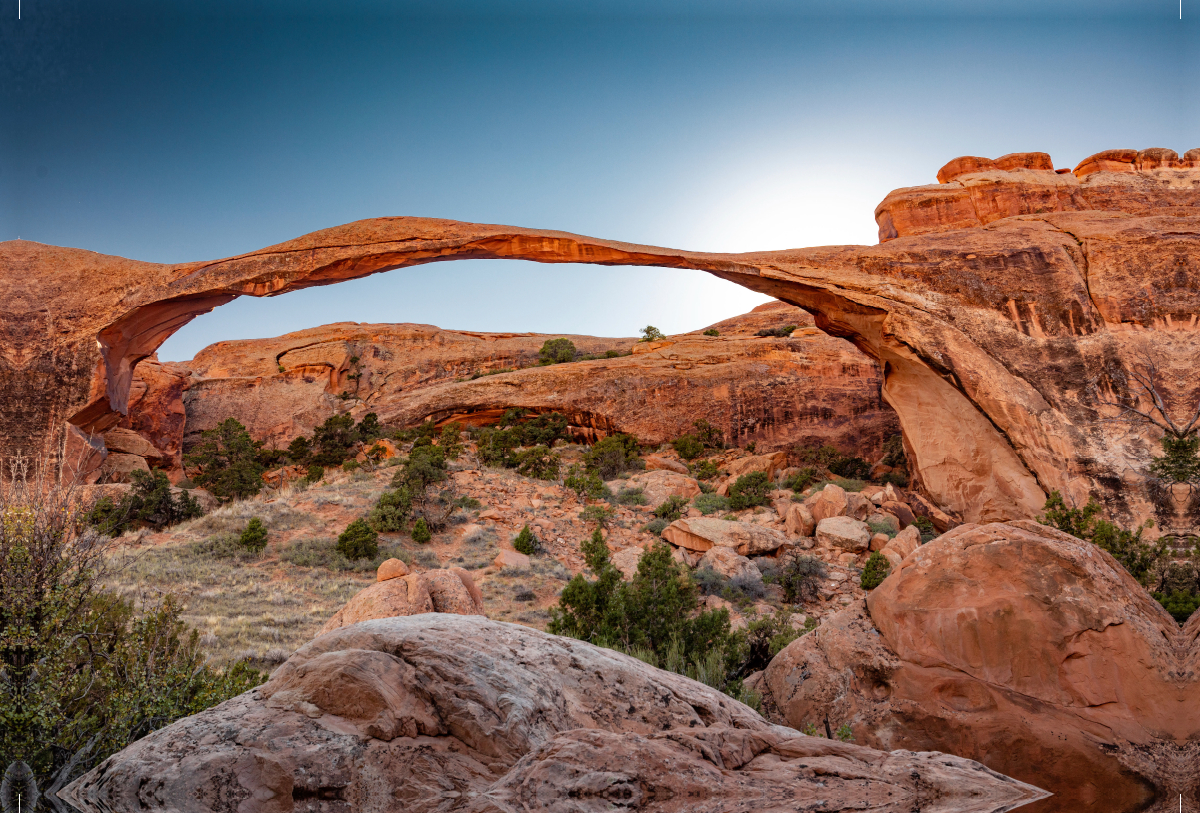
(1016, 313)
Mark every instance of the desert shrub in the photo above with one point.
(333, 441)
(420, 532)
(711, 503)
(672, 508)
(612, 455)
(876, 526)
(1179, 463)
(543, 430)
(852, 468)
(712, 331)
(315, 473)
(254, 538)
(656, 526)
(749, 490)
(391, 511)
(425, 466)
(777, 332)
(651, 334)
(801, 577)
(800, 480)
(84, 672)
(557, 351)
(765, 638)
(704, 470)
(848, 484)
(358, 541)
(631, 496)
(538, 462)
(820, 456)
(526, 542)
(744, 587)
(148, 502)
(227, 461)
(600, 514)
(876, 570)
(688, 447)
(350, 465)
(586, 485)
(893, 452)
(497, 447)
(1179, 603)
(708, 581)
(752, 446)
(925, 526)
(450, 441)
(1127, 547)
(709, 435)
(899, 478)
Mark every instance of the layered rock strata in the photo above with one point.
(449, 713)
(807, 389)
(1022, 647)
(1036, 329)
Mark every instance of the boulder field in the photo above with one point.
(1035, 326)
(1019, 646)
(451, 713)
(808, 389)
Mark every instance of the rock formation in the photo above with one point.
(397, 594)
(1035, 327)
(810, 389)
(451, 713)
(1019, 646)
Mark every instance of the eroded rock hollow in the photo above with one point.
(1036, 328)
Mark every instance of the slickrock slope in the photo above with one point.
(450, 713)
(1019, 646)
(810, 388)
(1014, 319)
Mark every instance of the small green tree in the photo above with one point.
(391, 512)
(254, 537)
(801, 577)
(538, 462)
(315, 473)
(333, 441)
(672, 508)
(1138, 557)
(612, 455)
(450, 441)
(586, 485)
(526, 542)
(712, 331)
(688, 447)
(556, 351)
(651, 334)
(590, 609)
(358, 541)
(749, 490)
(876, 571)
(227, 459)
(299, 450)
(1179, 463)
(369, 428)
(149, 502)
(420, 532)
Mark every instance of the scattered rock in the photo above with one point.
(904, 544)
(857, 506)
(768, 463)
(657, 463)
(728, 563)
(828, 502)
(880, 519)
(442, 591)
(879, 541)
(658, 485)
(627, 560)
(900, 511)
(746, 538)
(844, 533)
(511, 559)
(391, 569)
(799, 520)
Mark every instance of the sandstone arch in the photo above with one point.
(1009, 307)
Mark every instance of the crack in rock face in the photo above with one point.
(1024, 648)
(451, 713)
(1036, 329)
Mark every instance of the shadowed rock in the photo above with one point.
(451, 713)
(1022, 647)
(1037, 330)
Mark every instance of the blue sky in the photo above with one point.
(176, 131)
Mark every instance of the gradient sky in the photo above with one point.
(188, 130)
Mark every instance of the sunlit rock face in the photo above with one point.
(1035, 328)
(439, 713)
(1022, 647)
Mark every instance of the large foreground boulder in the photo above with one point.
(1022, 647)
(445, 713)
